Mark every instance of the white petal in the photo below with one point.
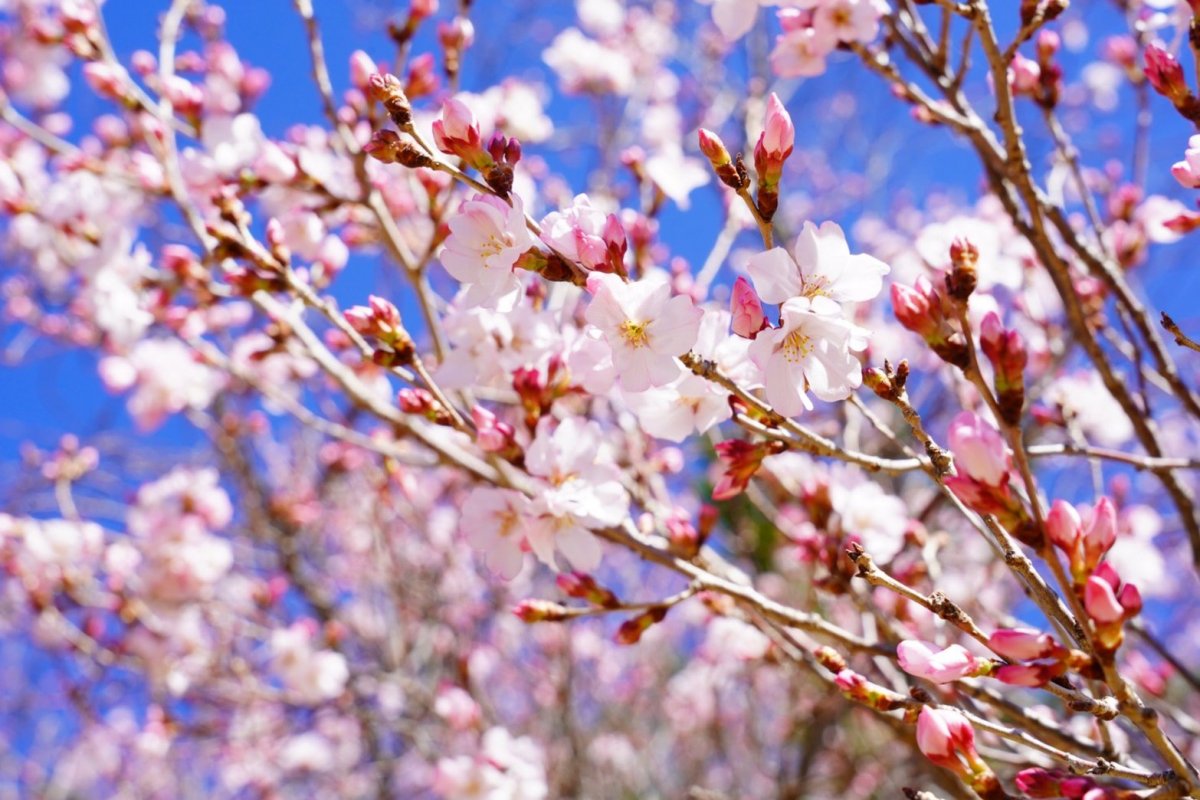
(775, 275)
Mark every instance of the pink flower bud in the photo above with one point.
(1005, 349)
(540, 611)
(1048, 44)
(1165, 73)
(1102, 534)
(1022, 644)
(779, 135)
(106, 80)
(1064, 525)
(424, 8)
(978, 449)
(457, 133)
(362, 67)
(185, 96)
(415, 401)
(713, 148)
(492, 435)
(917, 310)
(924, 660)
(747, 310)
(387, 313)
(1130, 599)
(457, 122)
(943, 735)
(1100, 601)
(1024, 75)
(1027, 674)
(458, 34)
(1036, 782)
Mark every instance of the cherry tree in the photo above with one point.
(626, 398)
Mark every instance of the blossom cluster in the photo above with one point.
(607, 404)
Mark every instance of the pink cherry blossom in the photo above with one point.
(821, 265)
(645, 327)
(979, 450)
(487, 237)
(495, 522)
(801, 51)
(310, 674)
(1187, 172)
(582, 493)
(812, 350)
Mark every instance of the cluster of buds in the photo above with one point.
(1083, 545)
(774, 146)
(746, 309)
(1040, 80)
(731, 172)
(582, 586)
(1165, 74)
(982, 464)
(493, 435)
(947, 739)
(380, 320)
(1039, 783)
(538, 391)
(741, 460)
(923, 310)
(1005, 349)
(505, 152)
(1108, 603)
(422, 403)
(456, 133)
(1036, 657)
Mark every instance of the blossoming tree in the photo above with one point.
(636, 474)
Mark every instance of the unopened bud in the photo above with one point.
(530, 611)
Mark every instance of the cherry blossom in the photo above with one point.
(820, 265)
(812, 350)
(495, 522)
(645, 327)
(486, 238)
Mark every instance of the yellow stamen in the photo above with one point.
(795, 346)
(635, 334)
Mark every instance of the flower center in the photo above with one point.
(816, 287)
(635, 334)
(841, 17)
(508, 520)
(495, 245)
(796, 346)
